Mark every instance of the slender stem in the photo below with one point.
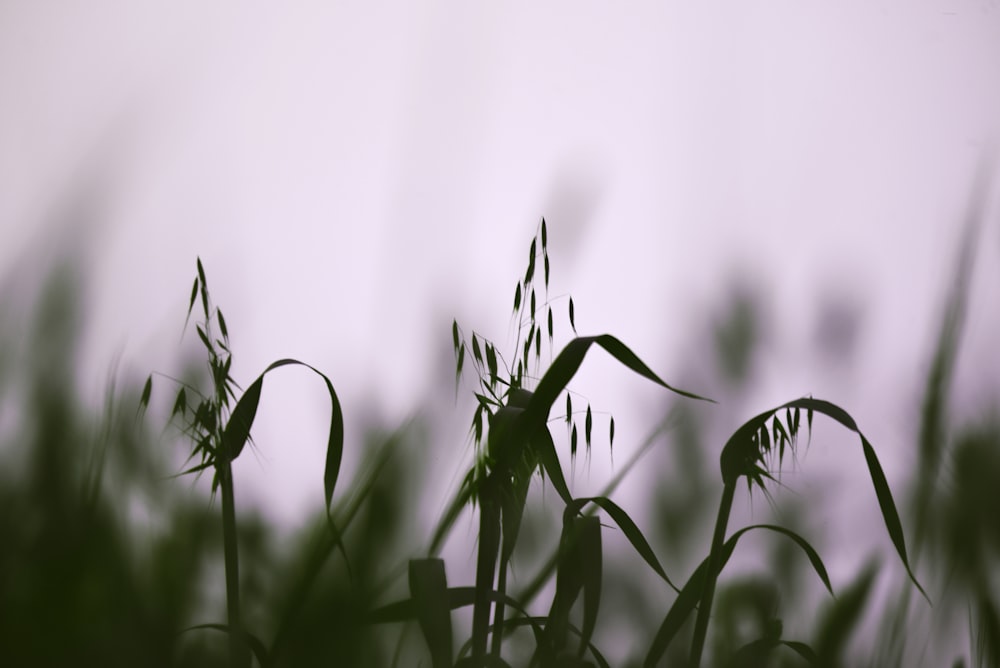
(239, 657)
(489, 544)
(711, 575)
(498, 611)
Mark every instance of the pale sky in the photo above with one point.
(354, 175)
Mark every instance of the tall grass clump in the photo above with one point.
(516, 395)
(510, 429)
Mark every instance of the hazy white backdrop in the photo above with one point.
(356, 174)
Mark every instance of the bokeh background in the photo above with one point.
(763, 202)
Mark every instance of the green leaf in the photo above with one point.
(545, 236)
(627, 526)
(532, 303)
(429, 589)
(237, 430)
(611, 434)
(566, 364)
(517, 297)
(572, 444)
(550, 326)
(813, 556)
(588, 427)
(689, 595)
(454, 334)
(545, 258)
(538, 342)
(545, 450)
(572, 316)
(569, 408)
(888, 507)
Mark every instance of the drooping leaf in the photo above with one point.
(588, 427)
(545, 236)
(569, 408)
(628, 528)
(454, 334)
(572, 315)
(545, 450)
(538, 342)
(611, 434)
(550, 326)
(545, 258)
(888, 507)
(237, 430)
(532, 303)
(517, 297)
(572, 443)
(690, 593)
(566, 364)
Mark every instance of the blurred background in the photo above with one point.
(763, 203)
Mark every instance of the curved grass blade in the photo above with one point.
(738, 455)
(627, 526)
(689, 595)
(237, 430)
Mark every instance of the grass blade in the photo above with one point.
(429, 589)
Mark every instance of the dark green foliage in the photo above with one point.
(82, 584)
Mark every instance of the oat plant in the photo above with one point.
(218, 423)
(513, 443)
(755, 452)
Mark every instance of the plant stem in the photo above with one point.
(238, 655)
(498, 611)
(711, 575)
